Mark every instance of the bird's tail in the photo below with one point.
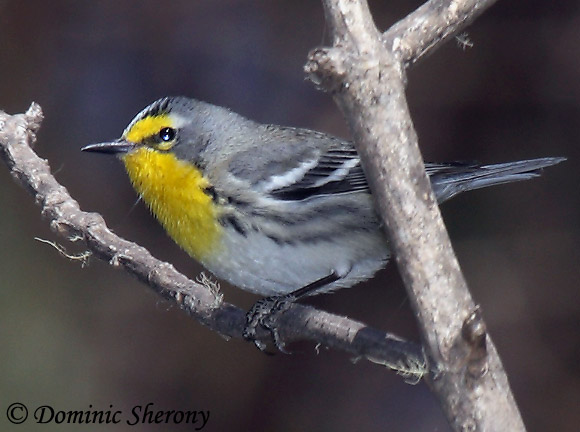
(450, 179)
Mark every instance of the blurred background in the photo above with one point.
(73, 337)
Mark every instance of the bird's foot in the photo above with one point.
(264, 313)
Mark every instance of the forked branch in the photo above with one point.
(365, 71)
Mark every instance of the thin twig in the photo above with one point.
(421, 32)
(200, 300)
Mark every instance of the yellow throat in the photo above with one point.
(174, 191)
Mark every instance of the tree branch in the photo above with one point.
(200, 300)
(424, 30)
(365, 72)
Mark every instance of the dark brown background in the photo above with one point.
(72, 337)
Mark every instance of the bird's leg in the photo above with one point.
(265, 311)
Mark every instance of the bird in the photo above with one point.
(278, 211)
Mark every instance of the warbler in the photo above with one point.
(278, 211)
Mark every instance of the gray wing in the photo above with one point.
(301, 164)
(304, 164)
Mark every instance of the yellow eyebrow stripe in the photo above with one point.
(147, 127)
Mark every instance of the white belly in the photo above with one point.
(269, 268)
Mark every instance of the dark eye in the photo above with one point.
(167, 134)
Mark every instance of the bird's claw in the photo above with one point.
(264, 313)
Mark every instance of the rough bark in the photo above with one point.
(364, 70)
